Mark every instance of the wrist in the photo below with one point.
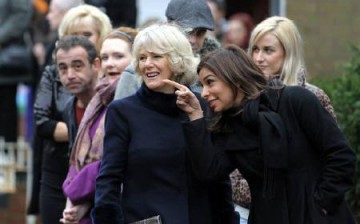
(197, 114)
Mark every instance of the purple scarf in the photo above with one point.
(87, 148)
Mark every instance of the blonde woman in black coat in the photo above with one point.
(288, 147)
(145, 171)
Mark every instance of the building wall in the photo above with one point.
(328, 28)
(13, 206)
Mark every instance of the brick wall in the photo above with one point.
(13, 206)
(327, 27)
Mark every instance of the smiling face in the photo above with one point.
(268, 54)
(154, 68)
(76, 73)
(217, 92)
(115, 56)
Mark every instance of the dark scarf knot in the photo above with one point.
(258, 115)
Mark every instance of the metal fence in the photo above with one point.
(14, 157)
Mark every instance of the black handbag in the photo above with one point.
(15, 59)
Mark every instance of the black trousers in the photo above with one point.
(52, 199)
(8, 113)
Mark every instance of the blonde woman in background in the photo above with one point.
(88, 21)
(276, 47)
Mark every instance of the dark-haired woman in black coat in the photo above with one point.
(288, 147)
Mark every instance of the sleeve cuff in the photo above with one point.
(47, 129)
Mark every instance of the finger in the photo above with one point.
(183, 99)
(64, 221)
(71, 217)
(181, 93)
(68, 219)
(68, 212)
(175, 84)
(181, 103)
(68, 222)
(185, 94)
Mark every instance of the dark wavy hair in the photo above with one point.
(232, 65)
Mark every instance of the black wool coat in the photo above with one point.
(313, 172)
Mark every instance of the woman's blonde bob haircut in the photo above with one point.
(289, 37)
(167, 39)
(86, 15)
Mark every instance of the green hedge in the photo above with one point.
(344, 92)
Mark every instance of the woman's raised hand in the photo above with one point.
(186, 100)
